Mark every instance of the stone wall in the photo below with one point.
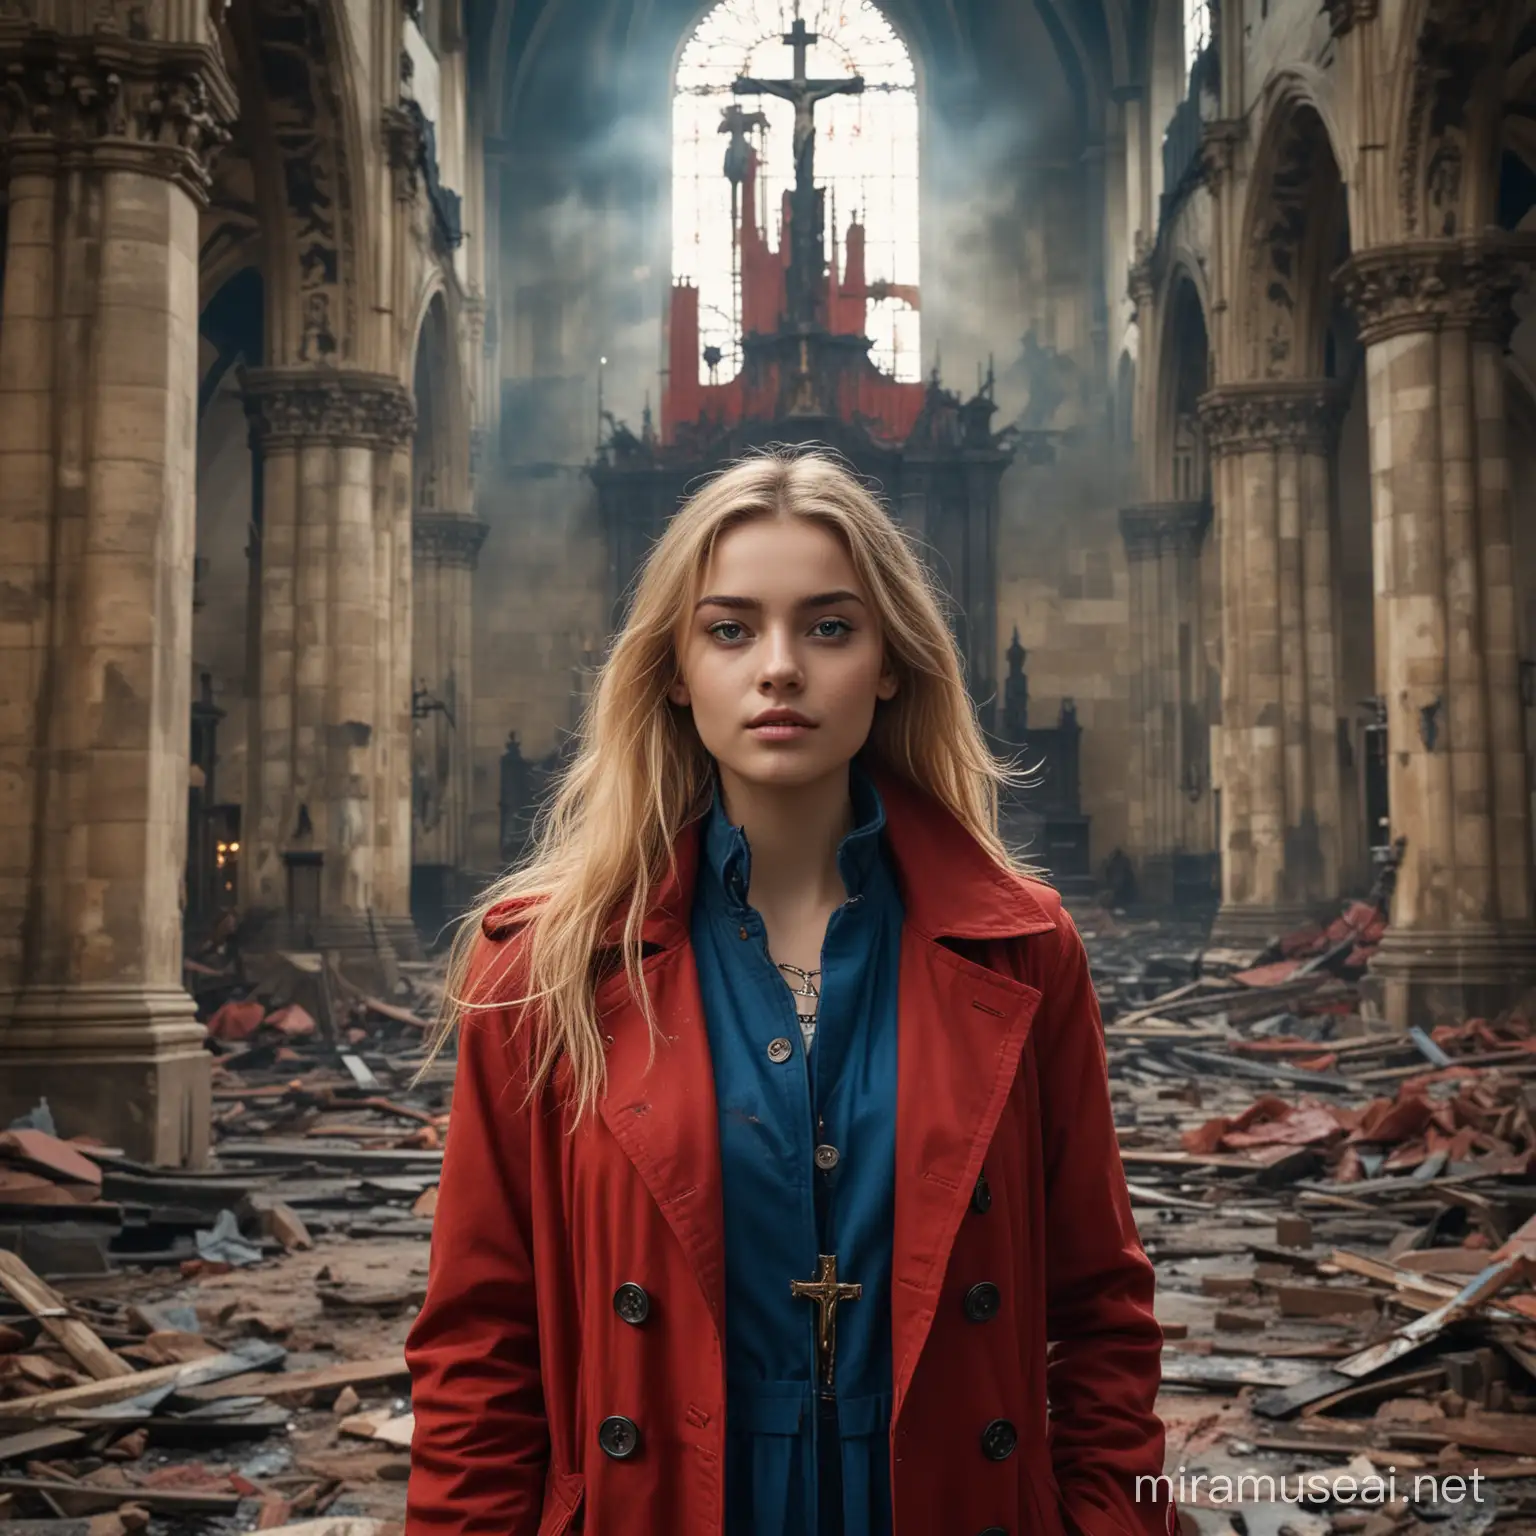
(1063, 581)
(539, 622)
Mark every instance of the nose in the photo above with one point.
(780, 660)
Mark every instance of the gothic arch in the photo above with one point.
(1183, 365)
(299, 107)
(1296, 228)
(1448, 115)
(440, 476)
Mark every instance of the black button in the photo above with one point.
(981, 1196)
(619, 1437)
(999, 1440)
(982, 1302)
(631, 1303)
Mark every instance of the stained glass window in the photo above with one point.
(1197, 31)
(866, 158)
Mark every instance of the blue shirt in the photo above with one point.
(781, 1209)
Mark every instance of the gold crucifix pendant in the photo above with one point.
(826, 1292)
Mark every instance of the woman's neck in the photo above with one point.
(794, 835)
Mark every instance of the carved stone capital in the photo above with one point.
(288, 407)
(448, 537)
(1432, 285)
(123, 102)
(1239, 418)
(1345, 15)
(1174, 526)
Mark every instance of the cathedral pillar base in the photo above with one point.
(1252, 926)
(1424, 976)
(123, 1063)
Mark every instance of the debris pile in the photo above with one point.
(1343, 1219)
(220, 1349)
(1342, 1215)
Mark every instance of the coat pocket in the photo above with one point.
(564, 1494)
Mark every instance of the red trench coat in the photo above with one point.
(518, 1354)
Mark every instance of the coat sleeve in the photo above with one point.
(1107, 1442)
(480, 1448)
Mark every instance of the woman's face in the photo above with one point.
(782, 658)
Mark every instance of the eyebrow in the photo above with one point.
(816, 600)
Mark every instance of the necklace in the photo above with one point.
(807, 992)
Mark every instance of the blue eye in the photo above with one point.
(724, 624)
(840, 627)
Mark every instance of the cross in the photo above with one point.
(799, 39)
(825, 1291)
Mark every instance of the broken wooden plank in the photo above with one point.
(1185, 1370)
(286, 1384)
(77, 1340)
(34, 1442)
(83, 1499)
(95, 1394)
(1410, 1336)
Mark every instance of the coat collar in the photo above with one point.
(950, 887)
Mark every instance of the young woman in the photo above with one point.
(781, 1144)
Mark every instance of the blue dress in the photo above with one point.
(802, 1461)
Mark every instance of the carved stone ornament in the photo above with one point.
(404, 140)
(1156, 526)
(1431, 285)
(448, 537)
(1345, 15)
(160, 109)
(1219, 140)
(1240, 418)
(1457, 42)
(347, 407)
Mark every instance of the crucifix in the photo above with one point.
(802, 94)
(826, 1292)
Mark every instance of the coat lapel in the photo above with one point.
(961, 1035)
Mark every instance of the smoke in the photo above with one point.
(587, 245)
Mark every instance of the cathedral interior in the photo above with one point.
(352, 352)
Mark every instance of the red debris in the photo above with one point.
(236, 1021)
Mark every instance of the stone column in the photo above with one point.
(1282, 851)
(1168, 770)
(396, 627)
(1435, 318)
(447, 548)
(330, 588)
(107, 141)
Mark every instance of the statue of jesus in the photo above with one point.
(803, 94)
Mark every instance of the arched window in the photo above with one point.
(866, 158)
(1197, 32)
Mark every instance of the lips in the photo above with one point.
(780, 718)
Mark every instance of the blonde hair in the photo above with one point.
(640, 773)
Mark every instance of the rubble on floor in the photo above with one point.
(1343, 1220)
(1342, 1216)
(221, 1349)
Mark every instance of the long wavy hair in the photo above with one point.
(640, 774)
